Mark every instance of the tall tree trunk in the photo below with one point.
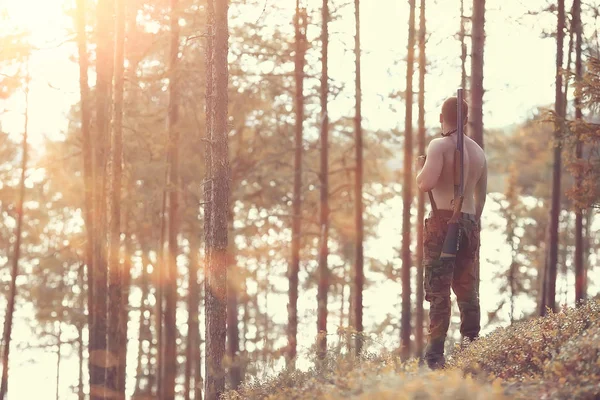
(407, 189)
(160, 284)
(124, 317)
(476, 112)
(580, 287)
(98, 344)
(12, 294)
(144, 325)
(216, 279)
(463, 46)
(193, 342)
(80, 325)
(233, 291)
(358, 188)
(170, 360)
(419, 321)
(556, 175)
(300, 25)
(115, 278)
(477, 46)
(80, 24)
(58, 359)
(323, 286)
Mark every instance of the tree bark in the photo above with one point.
(407, 190)
(556, 173)
(476, 112)
(419, 318)
(233, 292)
(98, 344)
(58, 359)
(12, 294)
(170, 287)
(143, 326)
(193, 342)
(463, 46)
(84, 90)
(358, 189)
(477, 46)
(300, 25)
(160, 283)
(580, 284)
(323, 285)
(115, 276)
(124, 317)
(216, 280)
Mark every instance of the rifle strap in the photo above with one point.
(434, 208)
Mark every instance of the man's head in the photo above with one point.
(449, 115)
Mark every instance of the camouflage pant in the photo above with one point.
(459, 274)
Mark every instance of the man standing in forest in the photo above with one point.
(437, 176)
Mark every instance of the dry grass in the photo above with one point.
(556, 357)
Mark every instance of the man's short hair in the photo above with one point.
(449, 111)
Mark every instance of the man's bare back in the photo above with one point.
(437, 174)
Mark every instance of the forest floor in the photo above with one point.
(554, 357)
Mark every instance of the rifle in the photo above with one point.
(452, 240)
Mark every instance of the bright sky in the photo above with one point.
(519, 74)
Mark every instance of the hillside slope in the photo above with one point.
(555, 357)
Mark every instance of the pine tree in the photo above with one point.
(115, 279)
(323, 286)
(216, 279)
(16, 254)
(300, 26)
(358, 189)
(552, 260)
(407, 195)
(580, 283)
(419, 320)
(170, 324)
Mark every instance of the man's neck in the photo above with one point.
(448, 130)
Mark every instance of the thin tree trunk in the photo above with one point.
(208, 180)
(98, 344)
(12, 294)
(233, 287)
(80, 394)
(142, 327)
(407, 190)
(124, 318)
(476, 112)
(193, 344)
(420, 195)
(115, 278)
(160, 283)
(477, 46)
(80, 22)
(170, 357)
(463, 46)
(556, 176)
(358, 188)
(324, 192)
(216, 282)
(58, 359)
(300, 24)
(80, 324)
(580, 288)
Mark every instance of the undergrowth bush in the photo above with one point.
(524, 350)
(555, 357)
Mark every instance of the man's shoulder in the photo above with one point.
(442, 143)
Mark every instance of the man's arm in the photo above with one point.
(481, 191)
(428, 177)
